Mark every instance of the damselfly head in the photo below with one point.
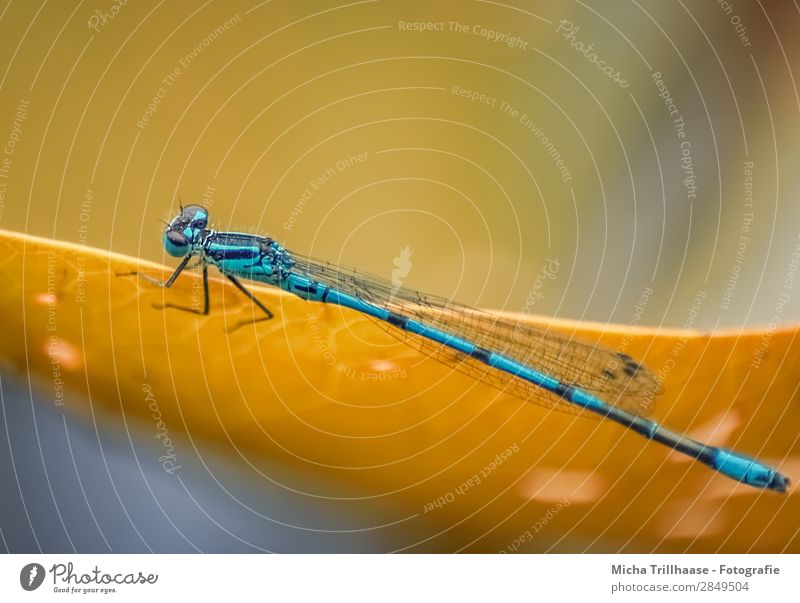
(185, 230)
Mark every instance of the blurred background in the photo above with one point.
(603, 161)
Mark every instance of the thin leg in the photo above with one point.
(267, 313)
(206, 304)
(167, 283)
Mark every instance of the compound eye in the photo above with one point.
(176, 238)
(176, 243)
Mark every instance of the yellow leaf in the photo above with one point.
(324, 389)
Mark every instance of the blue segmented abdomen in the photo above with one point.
(732, 464)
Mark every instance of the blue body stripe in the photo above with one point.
(730, 463)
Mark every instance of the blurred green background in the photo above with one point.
(254, 102)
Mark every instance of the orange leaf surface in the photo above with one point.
(322, 388)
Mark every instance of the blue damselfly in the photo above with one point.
(533, 364)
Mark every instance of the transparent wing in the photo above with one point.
(616, 377)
